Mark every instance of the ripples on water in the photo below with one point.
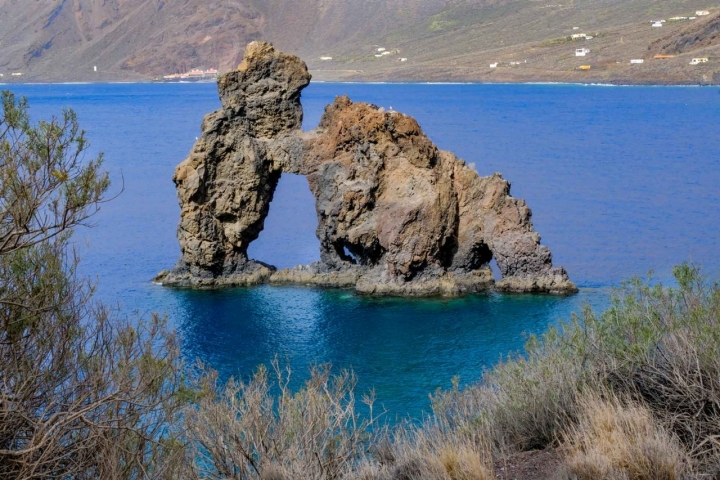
(620, 180)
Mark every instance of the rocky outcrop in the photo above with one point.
(701, 33)
(396, 215)
(227, 183)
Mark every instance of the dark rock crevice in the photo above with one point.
(396, 215)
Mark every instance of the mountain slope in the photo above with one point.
(702, 34)
(63, 40)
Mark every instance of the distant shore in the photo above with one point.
(588, 83)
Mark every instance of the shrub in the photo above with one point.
(245, 430)
(656, 345)
(83, 394)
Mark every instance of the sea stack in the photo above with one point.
(396, 215)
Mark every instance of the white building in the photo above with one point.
(325, 58)
(697, 61)
(381, 49)
(702, 13)
(385, 53)
(657, 24)
(637, 60)
(17, 74)
(581, 52)
(494, 65)
(403, 59)
(575, 36)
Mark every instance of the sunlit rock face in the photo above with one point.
(396, 215)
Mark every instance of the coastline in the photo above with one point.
(393, 82)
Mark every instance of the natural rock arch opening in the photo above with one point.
(288, 236)
(395, 215)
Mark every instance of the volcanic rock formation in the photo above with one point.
(396, 215)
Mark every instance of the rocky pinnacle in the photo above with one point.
(396, 215)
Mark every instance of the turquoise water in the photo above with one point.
(620, 180)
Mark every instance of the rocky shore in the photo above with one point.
(396, 215)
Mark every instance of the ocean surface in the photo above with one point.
(621, 181)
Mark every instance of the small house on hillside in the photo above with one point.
(657, 24)
(325, 58)
(636, 61)
(697, 61)
(702, 13)
(581, 52)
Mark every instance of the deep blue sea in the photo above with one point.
(621, 180)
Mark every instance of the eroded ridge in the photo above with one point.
(396, 215)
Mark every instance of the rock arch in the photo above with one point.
(396, 215)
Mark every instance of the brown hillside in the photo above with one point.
(441, 40)
(701, 34)
(64, 39)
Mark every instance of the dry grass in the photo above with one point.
(615, 439)
(425, 453)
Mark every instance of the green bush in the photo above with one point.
(83, 394)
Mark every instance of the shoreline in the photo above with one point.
(391, 82)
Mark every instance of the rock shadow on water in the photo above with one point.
(402, 349)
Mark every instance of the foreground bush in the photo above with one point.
(243, 430)
(83, 394)
(261, 429)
